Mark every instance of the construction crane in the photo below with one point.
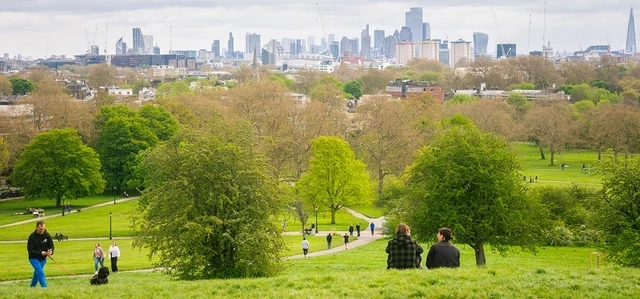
(324, 32)
(86, 36)
(529, 36)
(495, 20)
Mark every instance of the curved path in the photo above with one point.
(365, 238)
(72, 212)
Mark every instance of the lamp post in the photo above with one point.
(114, 195)
(110, 227)
(316, 207)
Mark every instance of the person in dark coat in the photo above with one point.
(358, 229)
(346, 240)
(372, 226)
(351, 230)
(329, 239)
(39, 246)
(402, 250)
(443, 254)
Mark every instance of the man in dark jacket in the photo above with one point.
(358, 229)
(39, 246)
(329, 239)
(402, 249)
(443, 254)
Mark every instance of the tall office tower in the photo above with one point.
(323, 44)
(299, 47)
(215, 48)
(426, 31)
(429, 50)
(331, 38)
(444, 52)
(631, 34)
(480, 43)
(354, 46)
(138, 41)
(405, 52)
(335, 49)
(252, 42)
(405, 34)
(121, 47)
(286, 44)
(156, 50)
(344, 46)
(505, 50)
(303, 48)
(366, 44)
(148, 44)
(311, 41)
(231, 50)
(460, 54)
(378, 40)
(390, 47)
(413, 20)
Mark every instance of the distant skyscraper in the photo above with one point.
(480, 43)
(390, 47)
(344, 46)
(323, 44)
(366, 43)
(252, 42)
(156, 50)
(354, 46)
(460, 54)
(231, 50)
(413, 20)
(429, 50)
(138, 41)
(426, 31)
(299, 47)
(406, 34)
(405, 52)
(311, 41)
(121, 47)
(335, 49)
(331, 38)
(148, 44)
(215, 48)
(631, 34)
(378, 39)
(505, 50)
(95, 50)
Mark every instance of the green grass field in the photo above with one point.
(360, 273)
(554, 175)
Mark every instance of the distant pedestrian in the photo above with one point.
(372, 227)
(68, 207)
(63, 210)
(351, 230)
(562, 166)
(346, 240)
(329, 239)
(305, 246)
(284, 224)
(536, 178)
(358, 229)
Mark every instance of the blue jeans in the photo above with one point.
(38, 273)
(97, 260)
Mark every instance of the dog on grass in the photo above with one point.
(101, 277)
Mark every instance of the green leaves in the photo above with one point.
(56, 164)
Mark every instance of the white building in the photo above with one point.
(125, 92)
(164, 71)
(148, 44)
(405, 52)
(429, 50)
(460, 52)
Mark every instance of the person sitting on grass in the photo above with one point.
(443, 254)
(402, 250)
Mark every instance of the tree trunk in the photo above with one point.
(542, 157)
(552, 155)
(380, 182)
(481, 260)
(333, 216)
(59, 202)
(600, 154)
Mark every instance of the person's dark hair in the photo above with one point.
(446, 233)
(304, 238)
(39, 223)
(402, 229)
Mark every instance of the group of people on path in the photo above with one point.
(40, 246)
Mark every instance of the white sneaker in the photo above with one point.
(95, 273)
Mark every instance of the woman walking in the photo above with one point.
(98, 257)
(114, 252)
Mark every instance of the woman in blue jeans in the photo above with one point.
(98, 257)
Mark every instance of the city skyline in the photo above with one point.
(37, 27)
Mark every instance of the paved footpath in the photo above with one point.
(365, 238)
(33, 220)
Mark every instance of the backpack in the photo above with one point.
(101, 277)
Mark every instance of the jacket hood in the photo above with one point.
(402, 239)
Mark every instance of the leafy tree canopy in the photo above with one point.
(21, 86)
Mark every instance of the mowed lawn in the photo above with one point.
(360, 273)
(547, 174)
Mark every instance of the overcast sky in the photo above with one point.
(35, 27)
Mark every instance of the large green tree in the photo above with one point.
(336, 179)
(123, 134)
(159, 121)
(620, 213)
(21, 86)
(57, 165)
(469, 181)
(207, 209)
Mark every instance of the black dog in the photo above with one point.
(101, 277)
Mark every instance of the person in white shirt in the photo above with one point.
(305, 246)
(114, 252)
